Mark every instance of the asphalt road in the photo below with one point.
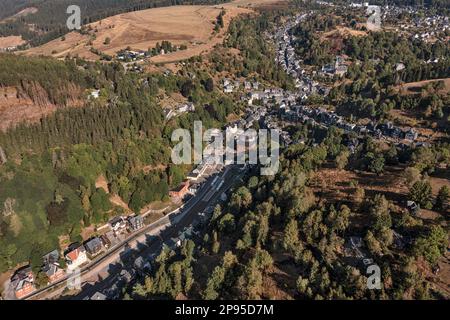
(102, 273)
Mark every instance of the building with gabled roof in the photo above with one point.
(52, 267)
(76, 257)
(94, 246)
(136, 223)
(23, 282)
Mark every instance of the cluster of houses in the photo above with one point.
(291, 111)
(194, 178)
(180, 192)
(428, 26)
(8, 49)
(76, 255)
(178, 110)
(339, 68)
(271, 122)
(327, 118)
(287, 58)
(271, 96)
(230, 86)
(131, 55)
(284, 40)
(185, 234)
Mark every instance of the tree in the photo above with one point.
(421, 193)
(290, 237)
(216, 244)
(302, 285)
(342, 219)
(41, 279)
(250, 282)
(380, 213)
(342, 159)
(107, 41)
(412, 175)
(432, 245)
(252, 182)
(216, 213)
(242, 198)
(375, 163)
(101, 204)
(186, 88)
(392, 155)
(209, 85)
(373, 244)
(442, 199)
(214, 283)
(226, 223)
(359, 196)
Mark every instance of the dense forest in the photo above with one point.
(47, 184)
(49, 22)
(275, 238)
(281, 237)
(48, 177)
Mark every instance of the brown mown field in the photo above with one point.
(192, 26)
(11, 41)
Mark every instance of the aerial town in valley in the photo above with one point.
(93, 207)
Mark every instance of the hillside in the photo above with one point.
(9, 8)
(42, 21)
(31, 88)
(190, 26)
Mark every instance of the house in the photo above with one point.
(187, 107)
(180, 191)
(413, 207)
(197, 172)
(410, 134)
(23, 282)
(52, 267)
(142, 266)
(399, 67)
(341, 70)
(118, 224)
(95, 94)
(76, 257)
(109, 239)
(194, 188)
(94, 246)
(228, 88)
(356, 242)
(98, 296)
(136, 223)
(175, 242)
